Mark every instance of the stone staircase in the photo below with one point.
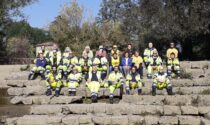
(189, 106)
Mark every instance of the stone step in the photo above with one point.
(177, 100)
(147, 82)
(107, 119)
(199, 72)
(194, 64)
(45, 100)
(84, 91)
(119, 109)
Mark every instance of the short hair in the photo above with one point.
(172, 54)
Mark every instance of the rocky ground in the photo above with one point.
(189, 106)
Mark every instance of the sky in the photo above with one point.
(41, 13)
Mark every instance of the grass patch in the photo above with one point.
(205, 92)
(25, 68)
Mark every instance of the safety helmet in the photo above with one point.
(101, 47)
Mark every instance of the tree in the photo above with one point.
(161, 21)
(23, 29)
(8, 10)
(66, 28)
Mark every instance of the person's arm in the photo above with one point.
(91, 54)
(176, 53)
(123, 61)
(168, 53)
(130, 62)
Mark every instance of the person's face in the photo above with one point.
(41, 55)
(87, 49)
(74, 71)
(85, 56)
(150, 45)
(133, 70)
(116, 69)
(114, 48)
(54, 46)
(161, 70)
(172, 45)
(129, 46)
(136, 53)
(172, 56)
(155, 54)
(126, 55)
(115, 56)
(70, 54)
(54, 69)
(42, 47)
(94, 68)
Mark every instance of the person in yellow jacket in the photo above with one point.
(53, 82)
(67, 52)
(148, 52)
(85, 63)
(102, 64)
(138, 63)
(64, 66)
(172, 49)
(54, 59)
(133, 81)
(115, 62)
(154, 64)
(115, 50)
(115, 80)
(94, 82)
(173, 66)
(73, 81)
(161, 81)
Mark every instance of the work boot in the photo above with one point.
(57, 93)
(127, 92)
(29, 76)
(72, 93)
(48, 92)
(121, 90)
(139, 91)
(94, 98)
(111, 99)
(153, 91)
(42, 76)
(169, 91)
(149, 76)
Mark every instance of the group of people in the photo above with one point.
(111, 69)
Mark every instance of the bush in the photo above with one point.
(19, 48)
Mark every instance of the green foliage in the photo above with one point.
(25, 68)
(9, 9)
(69, 30)
(205, 92)
(23, 29)
(162, 21)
